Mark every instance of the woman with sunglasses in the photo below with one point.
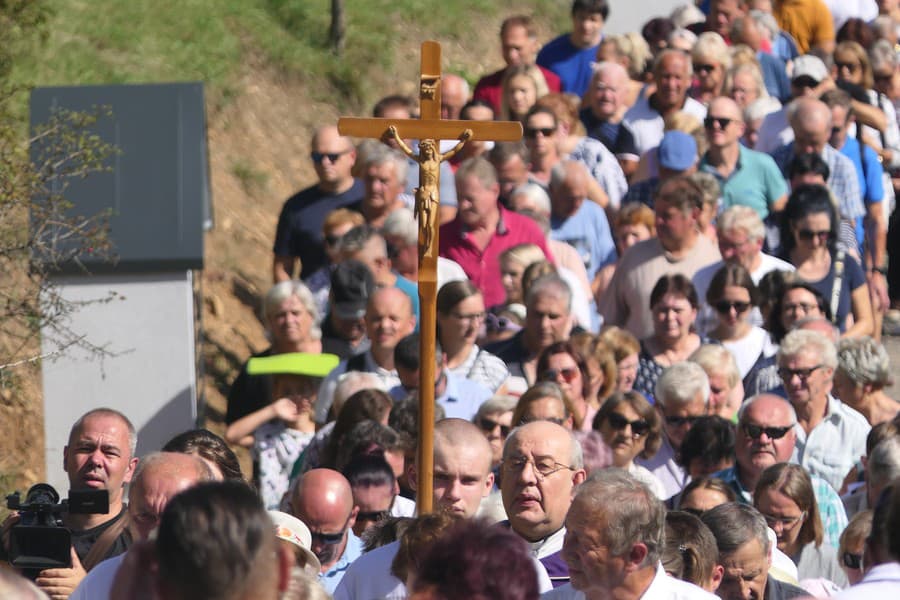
(877, 116)
(732, 294)
(494, 418)
(563, 364)
(460, 317)
(712, 60)
(630, 426)
(785, 497)
(674, 304)
(853, 544)
(809, 232)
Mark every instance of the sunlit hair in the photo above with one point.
(794, 482)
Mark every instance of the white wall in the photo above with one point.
(152, 380)
(630, 15)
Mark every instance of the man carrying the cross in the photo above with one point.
(483, 229)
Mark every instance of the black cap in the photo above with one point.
(351, 284)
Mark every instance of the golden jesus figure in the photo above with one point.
(427, 194)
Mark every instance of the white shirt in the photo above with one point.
(369, 577)
(403, 507)
(98, 582)
(774, 132)
(647, 124)
(662, 587)
(882, 581)
(834, 445)
(706, 315)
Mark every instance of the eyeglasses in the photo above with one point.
(543, 467)
(786, 523)
(801, 306)
(473, 317)
(773, 433)
(837, 130)
(318, 157)
(788, 374)
(639, 428)
(680, 421)
(704, 68)
(852, 561)
(490, 425)
(725, 306)
(809, 234)
(373, 516)
(722, 122)
(532, 132)
(850, 66)
(333, 240)
(568, 374)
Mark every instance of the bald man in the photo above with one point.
(299, 233)
(810, 120)
(580, 223)
(389, 318)
(323, 500)
(542, 465)
(462, 478)
(454, 95)
(159, 477)
(746, 177)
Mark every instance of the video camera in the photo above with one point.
(39, 540)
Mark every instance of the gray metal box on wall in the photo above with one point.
(158, 185)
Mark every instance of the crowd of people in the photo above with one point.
(658, 368)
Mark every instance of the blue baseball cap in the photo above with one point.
(677, 151)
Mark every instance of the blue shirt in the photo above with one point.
(353, 550)
(843, 180)
(571, 63)
(412, 290)
(588, 232)
(870, 182)
(460, 400)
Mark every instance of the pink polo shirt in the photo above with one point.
(483, 266)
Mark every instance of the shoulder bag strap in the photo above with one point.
(104, 542)
(836, 284)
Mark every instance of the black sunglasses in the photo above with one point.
(639, 428)
(327, 539)
(318, 157)
(374, 516)
(489, 425)
(773, 433)
(809, 234)
(532, 132)
(805, 81)
(679, 421)
(704, 68)
(722, 122)
(787, 374)
(724, 306)
(852, 561)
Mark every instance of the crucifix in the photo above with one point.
(429, 129)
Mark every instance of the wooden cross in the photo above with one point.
(429, 129)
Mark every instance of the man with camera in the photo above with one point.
(99, 456)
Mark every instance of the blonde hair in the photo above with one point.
(529, 71)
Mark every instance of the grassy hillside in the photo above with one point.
(270, 78)
(116, 41)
